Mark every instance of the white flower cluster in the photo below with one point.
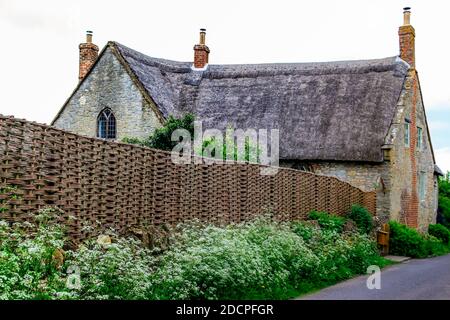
(260, 259)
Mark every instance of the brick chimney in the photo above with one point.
(88, 55)
(407, 36)
(201, 52)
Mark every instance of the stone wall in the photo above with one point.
(108, 86)
(408, 162)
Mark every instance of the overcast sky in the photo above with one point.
(39, 42)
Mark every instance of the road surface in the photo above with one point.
(424, 279)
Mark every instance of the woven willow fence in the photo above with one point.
(126, 186)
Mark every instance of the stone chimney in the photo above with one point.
(88, 55)
(201, 52)
(407, 36)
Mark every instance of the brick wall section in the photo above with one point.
(407, 44)
(201, 56)
(412, 210)
(88, 56)
(126, 186)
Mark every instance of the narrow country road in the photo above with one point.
(412, 280)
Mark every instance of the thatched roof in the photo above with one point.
(324, 111)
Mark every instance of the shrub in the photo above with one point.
(444, 209)
(409, 242)
(341, 255)
(434, 246)
(260, 259)
(28, 269)
(210, 146)
(162, 137)
(328, 221)
(406, 241)
(444, 199)
(439, 231)
(362, 217)
(120, 270)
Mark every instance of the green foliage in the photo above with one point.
(162, 137)
(341, 255)
(137, 141)
(210, 146)
(406, 241)
(261, 259)
(328, 221)
(440, 232)
(120, 270)
(362, 217)
(444, 199)
(27, 269)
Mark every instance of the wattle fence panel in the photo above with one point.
(125, 186)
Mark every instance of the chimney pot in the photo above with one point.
(202, 36)
(89, 35)
(406, 16)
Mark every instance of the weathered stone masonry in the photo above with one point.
(108, 86)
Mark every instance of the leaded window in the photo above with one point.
(106, 124)
(407, 135)
(419, 138)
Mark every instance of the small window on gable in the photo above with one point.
(419, 138)
(106, 124)
(407, 133)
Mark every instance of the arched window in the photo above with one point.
(106, 124)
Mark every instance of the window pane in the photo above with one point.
(106, 124)
(419, 138)
(111, 127)
(407, 134)
(102, 127)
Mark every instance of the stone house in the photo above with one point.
(361, 121)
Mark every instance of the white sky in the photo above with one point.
(39, 42)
